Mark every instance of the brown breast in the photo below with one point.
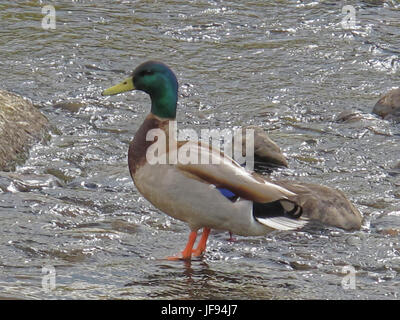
(139, 144)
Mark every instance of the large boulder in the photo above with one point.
(21, 124)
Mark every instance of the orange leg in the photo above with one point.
(187, 252)
(201, 247)
(231, 238)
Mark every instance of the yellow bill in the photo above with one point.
(126, 85)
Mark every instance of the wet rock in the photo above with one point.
(388, 107)
(388, 223)
(348, 116)
(20, 125)
(390, 232)
(121, 225)
(395, 171)
(71, 106)
(24, 182)
(300, 266)
(266, 151)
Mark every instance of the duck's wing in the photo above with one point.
(223, 172)
(273, 206)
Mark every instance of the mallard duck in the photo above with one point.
(222, 196)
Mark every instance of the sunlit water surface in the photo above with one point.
(287, 66)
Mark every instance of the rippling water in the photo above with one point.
(288, 66)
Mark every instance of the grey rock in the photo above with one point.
(348, 116)
(266, 151)
(21, 124)
(388, 106)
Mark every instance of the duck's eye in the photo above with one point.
(146, 72)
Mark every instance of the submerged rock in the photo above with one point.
(23, 182)
(395, 171)
(20, 125)
(388, 106)
(348, 116)
(71, 106)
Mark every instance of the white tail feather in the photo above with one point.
(283, 223)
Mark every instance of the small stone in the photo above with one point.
(72, 106)
(348, 116)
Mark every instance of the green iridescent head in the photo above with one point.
(157, 80)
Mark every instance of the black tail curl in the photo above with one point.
(280, 208)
